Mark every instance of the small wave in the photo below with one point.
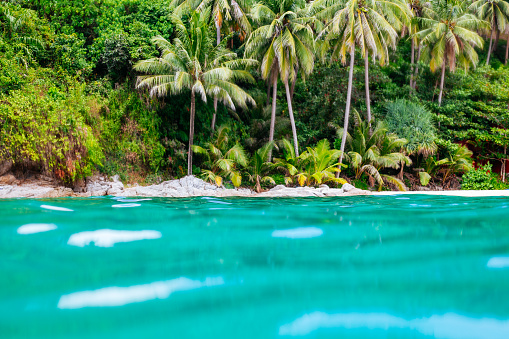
(119, 296)
(298, 233)
(56, 208)
(447, 326)
(36, 228)
(498, 262)
(108, 238)
(126, 205)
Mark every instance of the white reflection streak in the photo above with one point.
(119, 296)
(108, 238)
(298, 233)
(498, 262)
(36, 228)
(447, 326)
(125, 205)
(56, 208)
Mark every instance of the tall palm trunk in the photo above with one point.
(506, 51)
(491, 45)
(292, 119)
(366, 84)
(416, 71)
(441, 84)
(412, 60)
(214, 116)
(218, 33)
(495, 44)
(191, 136)
(273, 114)
(347, 109)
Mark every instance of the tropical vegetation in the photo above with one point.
(135, 87)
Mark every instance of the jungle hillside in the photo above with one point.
(384, 95)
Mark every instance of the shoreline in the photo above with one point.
(191, 186)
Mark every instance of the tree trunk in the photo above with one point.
(506, 51)
(218, 32)
(292, 89)
(495, 44)
(292, 119)
(412, 61)
(504, 163)
(268, 93)
(416, 71)
(273, 114)
(213, 126)
(491, 45)
(347, 109)
(441, 85)
(191, 137)
(366, 84)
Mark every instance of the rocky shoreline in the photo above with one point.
(186, 187)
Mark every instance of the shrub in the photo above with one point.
(482, 178)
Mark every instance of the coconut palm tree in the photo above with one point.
(449, 36)
(192, 62)
(416, 8)
(371, 25)
(497, 13)
(222, 10)
(221, 159)
(284, 43)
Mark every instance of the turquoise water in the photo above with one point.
(357, 267)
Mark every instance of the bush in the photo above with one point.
(44, 129)
(482, 179)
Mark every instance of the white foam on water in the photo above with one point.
(298, 233)
(56, 208)
(119, 296)
(125, 205)
(108, 238)
(133, 200)
(447, 326)
(498, 262)
(402, 198)
(36, 228)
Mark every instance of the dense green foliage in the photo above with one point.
(69, 104)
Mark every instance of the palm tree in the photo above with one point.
(221, 159)
(192, 62)
(284, 43)
(449, 36)
(497, 13)
(371, 152)
(258, 167)
(222, 10)
(416, 8)
(369, 24)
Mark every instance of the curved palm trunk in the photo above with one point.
(213, 126)
(218, 32)
(347, 109)
(366, 84)
(191, 136)
(441, 85)
(495, 44)
(491, 46)
(506, 51)
(412, 61)
(416, 71)
(292, 120)
(273, 114)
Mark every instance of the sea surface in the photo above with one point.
(355, 267)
